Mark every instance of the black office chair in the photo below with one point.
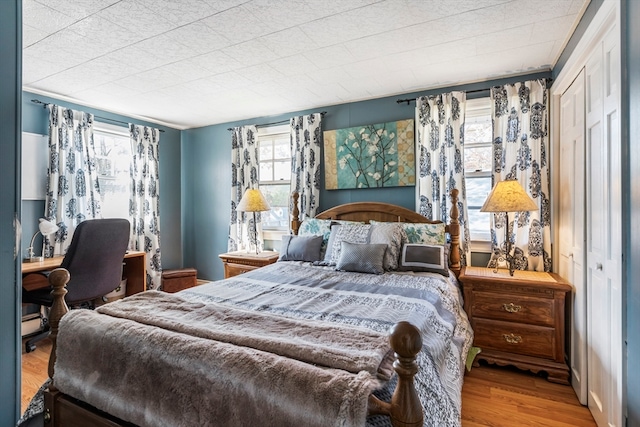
(94, 261)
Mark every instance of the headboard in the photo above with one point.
(386, 212)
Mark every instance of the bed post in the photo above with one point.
(405, 409)
(58, 280)
(295, 214)
(454, 232)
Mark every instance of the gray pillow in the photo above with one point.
(300, 248)
(351, 233)
(361, 257)
(423, 257)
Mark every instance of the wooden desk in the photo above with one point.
(134, 269)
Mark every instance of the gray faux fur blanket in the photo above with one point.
(177, 369)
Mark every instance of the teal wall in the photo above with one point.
(206, 156)
(631, 185)
(10, 83)
(35, 119)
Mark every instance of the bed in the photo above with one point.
(113, 364)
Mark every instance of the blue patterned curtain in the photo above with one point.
(520, 151)
(73, 190)
(244, 175)
(306, 138)
(144, 205)
(440, 125)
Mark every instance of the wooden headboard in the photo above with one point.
(386, 212)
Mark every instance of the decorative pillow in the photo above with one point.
(320, 227)
(431, 234)
(300, 248)
(393, 235)
(315, 227)
(329, 246)
(421, 257)
(361, 257)
(351, 233)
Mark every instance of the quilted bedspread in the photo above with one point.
(132, 338)
(429, 301)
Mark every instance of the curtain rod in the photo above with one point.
(45, 104)
(409, 100)
(322, 113)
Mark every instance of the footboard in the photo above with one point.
(404, 409)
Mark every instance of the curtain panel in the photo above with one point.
(306, 139)
(144, 204)
(440, 129)
(244, 175)
(520, 151)
(73, 190)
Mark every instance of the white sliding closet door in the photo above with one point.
(571, 226)
(604, 212)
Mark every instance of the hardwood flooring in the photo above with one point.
(491, 396)
(505, 397)
(34, 370)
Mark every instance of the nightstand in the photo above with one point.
(240, 262)
(518, 320)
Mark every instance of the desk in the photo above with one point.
(134, 270)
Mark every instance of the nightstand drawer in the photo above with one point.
(239, 262)
(231, 270)
(513, 308)
(537, 341)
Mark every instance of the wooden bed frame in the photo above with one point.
(404, 410)
(386, 212)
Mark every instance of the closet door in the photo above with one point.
(603, 268)
(571, 227)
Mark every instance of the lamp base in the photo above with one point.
(33, 259)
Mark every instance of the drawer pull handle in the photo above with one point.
(512, 339)
(511, 307)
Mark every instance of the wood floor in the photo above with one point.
(491, 396)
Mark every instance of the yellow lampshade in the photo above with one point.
(253, 201)
(508, 196)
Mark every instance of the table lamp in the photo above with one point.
(253, 201)
(508, 196)
(45, 228)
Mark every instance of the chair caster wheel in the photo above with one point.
(28, 348)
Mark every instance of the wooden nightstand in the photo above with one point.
(240, 262)
(518, 320)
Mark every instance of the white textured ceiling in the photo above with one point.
(191, 63)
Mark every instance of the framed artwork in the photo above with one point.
(370, 156)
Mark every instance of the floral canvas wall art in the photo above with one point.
(370, 156)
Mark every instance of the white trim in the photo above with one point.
(274, 130)
(599, 26)
(477, 107)
(102, 127)
(480, 246)
(274, 234)
(573, 28)
(101, 108)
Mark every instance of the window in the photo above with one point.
(274, 157)
(113, 152)
(478, 136)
